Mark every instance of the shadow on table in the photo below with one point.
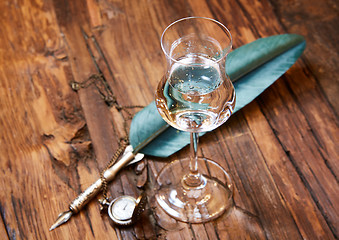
(236, 223)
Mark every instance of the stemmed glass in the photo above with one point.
(195, 95)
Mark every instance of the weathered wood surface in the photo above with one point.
(281, 150)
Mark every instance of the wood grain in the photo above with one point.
(315, 20)
(281, 150)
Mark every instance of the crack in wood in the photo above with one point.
(10, 232)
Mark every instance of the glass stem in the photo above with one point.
(194, 153)
(193, 179)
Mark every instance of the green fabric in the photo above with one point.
(252, 68)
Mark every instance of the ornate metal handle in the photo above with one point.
(95, 188)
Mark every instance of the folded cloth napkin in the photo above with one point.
(252, 68)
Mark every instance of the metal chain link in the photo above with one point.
(106, 93)
(113, 160)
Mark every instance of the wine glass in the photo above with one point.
(195, 95)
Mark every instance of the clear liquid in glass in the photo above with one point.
(195, 95)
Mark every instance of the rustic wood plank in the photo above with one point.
(120, 116)
(314, 173)
(40, 106)
(98, 116)
(314, 20)
(285, 175)
(96, 112)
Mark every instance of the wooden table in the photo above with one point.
(281, 150)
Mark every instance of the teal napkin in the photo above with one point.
(252, 68)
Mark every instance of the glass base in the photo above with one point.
(194, 204)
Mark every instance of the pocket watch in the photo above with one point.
(126, 210)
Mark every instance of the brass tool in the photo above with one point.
(128, 157)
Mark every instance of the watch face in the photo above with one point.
(123, 208)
